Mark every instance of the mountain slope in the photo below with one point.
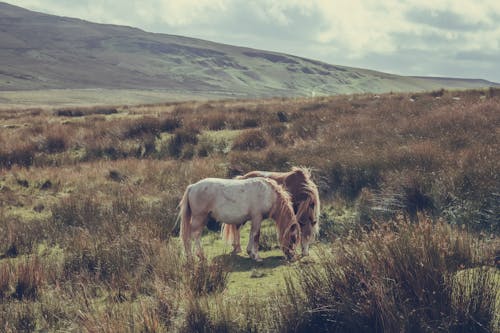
(39, 51)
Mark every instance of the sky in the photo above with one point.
(449, 38)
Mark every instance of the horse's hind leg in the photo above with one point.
(197, 225)
(187, 247)
(236, 239)
(253, 242)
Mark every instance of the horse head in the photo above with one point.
(286, 221)
(307, 217)
(306, 205)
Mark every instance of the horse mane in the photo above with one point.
(282, 213)
(309, 188)
(250, 174)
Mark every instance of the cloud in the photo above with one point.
(444, 20)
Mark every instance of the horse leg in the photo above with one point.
(236, 239)
(197, 224)
(187, 247)
(253, 242)
(187, 243)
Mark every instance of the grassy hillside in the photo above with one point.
(45, 52)
(409, 225)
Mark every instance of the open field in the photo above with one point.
(50, 98)
(409, 225)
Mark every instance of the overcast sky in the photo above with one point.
(412, 37)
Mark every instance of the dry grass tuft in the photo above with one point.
(400, 277)
(250, 140)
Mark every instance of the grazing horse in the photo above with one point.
(305, 200)
(233, 202)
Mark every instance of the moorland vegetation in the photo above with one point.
(409, 224)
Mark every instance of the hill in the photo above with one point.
(44, 52)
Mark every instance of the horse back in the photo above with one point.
(231, 201)
(294, 181)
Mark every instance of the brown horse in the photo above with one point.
(305, 200)
(233, 202)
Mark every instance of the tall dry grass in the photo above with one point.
(400, 277)
(88, 206)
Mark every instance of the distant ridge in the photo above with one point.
(40, 52)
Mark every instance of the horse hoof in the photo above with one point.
(258, 259)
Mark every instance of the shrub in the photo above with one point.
(107, 147)
(146, 147)
(69, 113)
(437, 93)
(55, 143)
(276, 132)
(28, 278)
(19, 237)
(197, 317)
(203, 277)
(104, 110)
(272, 158)
(80, 112)
(209, 145)
(282, 116)
(17, 317)
(349, 179)
(250, 140)
(402, 193)
(78, 211)
(216, 122)
(493, 92)
(472, 305)
(304, 129)
(250, 123)
(141, 127)
(400, 277)
(22, 154)
(170, 124)
(114, 260)
(5, 276)
(180, 138)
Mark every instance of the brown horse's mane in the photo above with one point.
(298, 182)
(282, 213)
(305, 186)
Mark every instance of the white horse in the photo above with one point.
(235, 201)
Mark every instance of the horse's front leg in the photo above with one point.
(253, 242)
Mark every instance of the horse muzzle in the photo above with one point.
(290, 254)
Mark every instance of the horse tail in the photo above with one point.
(228, 231)
(185, 217)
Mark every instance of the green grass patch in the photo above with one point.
(248, 277)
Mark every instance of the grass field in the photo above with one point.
(75, 98)
(409, 223)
